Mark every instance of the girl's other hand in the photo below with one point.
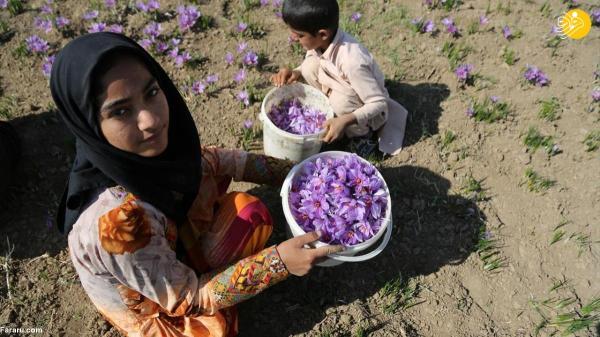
(299, 260)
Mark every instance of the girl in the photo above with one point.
(159, 246)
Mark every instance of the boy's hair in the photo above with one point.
(311, 15)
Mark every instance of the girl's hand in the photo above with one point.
(285, 76)
(299, 260)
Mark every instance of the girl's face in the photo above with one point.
(134, 112)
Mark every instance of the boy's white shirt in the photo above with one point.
(355, 84)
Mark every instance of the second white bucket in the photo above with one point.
(286, 145)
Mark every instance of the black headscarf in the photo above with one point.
(170, 182)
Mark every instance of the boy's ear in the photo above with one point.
(324, 34)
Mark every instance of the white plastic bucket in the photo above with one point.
(348, 255)
(286, 145)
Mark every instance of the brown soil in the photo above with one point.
(436, 221)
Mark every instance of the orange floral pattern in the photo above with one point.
(125, 228)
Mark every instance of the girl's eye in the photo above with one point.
(118, 112)
(153, 92)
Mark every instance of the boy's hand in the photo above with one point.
(285, 76)
(299, 260)
(335, 127)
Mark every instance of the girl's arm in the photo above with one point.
(134, 249)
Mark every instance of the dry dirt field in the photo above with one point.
(497, 216)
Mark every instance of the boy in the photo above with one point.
(345, 71)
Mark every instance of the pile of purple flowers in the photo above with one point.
(535, 76)
(187, 16)
(291, 116)
(342, 198)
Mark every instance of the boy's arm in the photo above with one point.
(363, 81)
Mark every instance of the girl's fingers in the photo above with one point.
(307, 238)
(327, 250)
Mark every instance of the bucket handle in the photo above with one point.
(368, 256)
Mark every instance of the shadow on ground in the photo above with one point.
(27, 209)
(431, 229)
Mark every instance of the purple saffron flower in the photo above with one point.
(198, 87)
(428, 27)
(187, 16)
(243, 97)
(240, 76)
(175, 42)
(43, 24)
(355, 17)
(90, 15)
(483, 20)
(47, 65)
(146, 43)
(450, 27)
(428, 3)
(110, 3)
(494, 99)
(229, 58)
(161, 47)
(535, 76)
(470, 111)
(3, 3)
(596, 95)
(97, 27)
(554, 30)
(250, 59)
(153, 5)
(595, 14)
(463, 72)
(153, 29)
(277, 3)
(264, 3)
(141, 6)
(241, 47)
(46, 9)
(115, 29)
(507, 33)
(62, 22)
(212, 79)
(36, 44)
(179, 58)
(241, 27)
(248, 124)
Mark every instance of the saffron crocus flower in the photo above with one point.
(115, 29)
(3, 3)
(428, 3)
(62, 22)
(554, 30)
(595, 14)
(463, 72)
(327, 196)
(161, 47)
(187, 16)
(241, 27)
(46, 9)
(470, 111)
(596, 95)
(450, 27)
(229, 58)
(250, 59)
(277, 3)
(248, 124)
(47, 65)
(240, 76)
(90, 15)
(198, 87)
(428, 27)
(97, 27)
(43, 24)
(241, 47)
(36, 44)
(264, 3)
(153, 29)
(110, 3)
(535, 76)
(292, 116)
(355, 17)
(146, 43)
(179, 58)
(506, 32)
(150, 6)
(483, 20)
(494, 99)
(212, 79)
(243, 97)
